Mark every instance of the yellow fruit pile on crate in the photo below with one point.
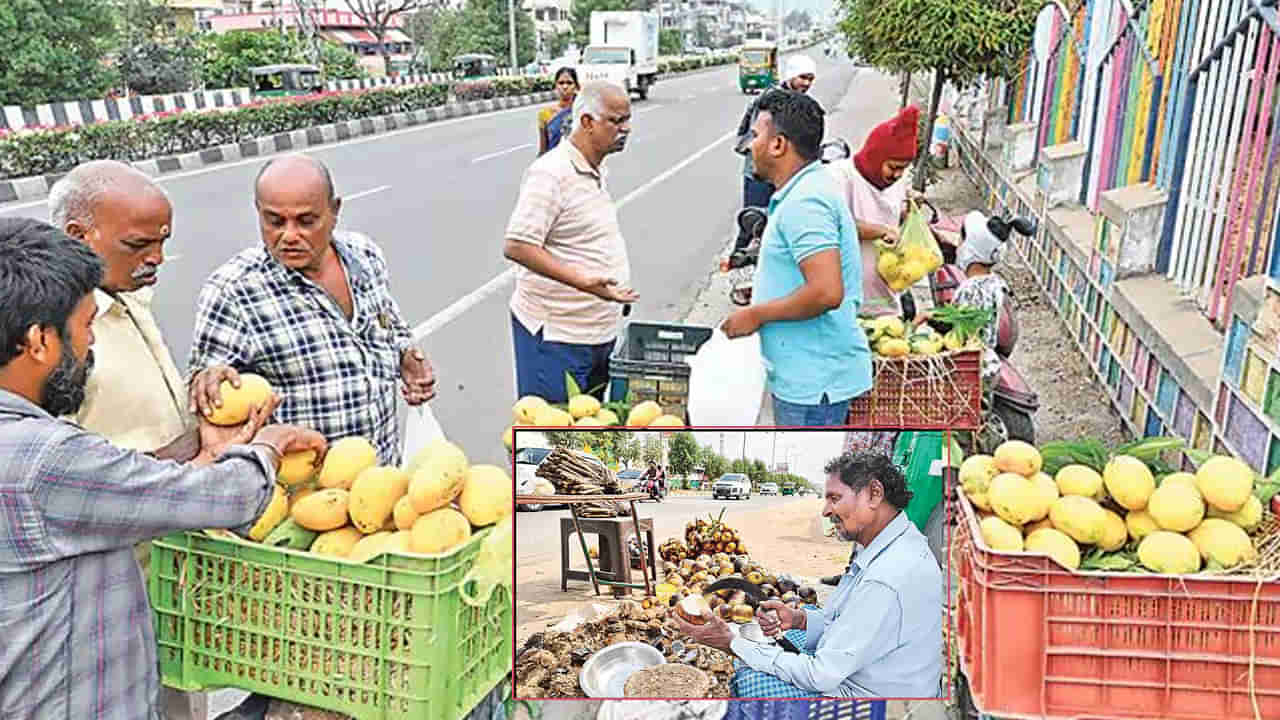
(1124, 510)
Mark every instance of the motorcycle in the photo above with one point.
(653, 488)
(1013, 403)
(751, 221)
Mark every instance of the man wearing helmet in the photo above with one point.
(799, 76)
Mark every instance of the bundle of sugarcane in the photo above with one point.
(573, 475)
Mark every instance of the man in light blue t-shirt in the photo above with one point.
(809, 283)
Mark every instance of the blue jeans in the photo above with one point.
(824, 414)
(756, 193)
(541, 365)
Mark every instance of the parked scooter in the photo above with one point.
(1014, 402)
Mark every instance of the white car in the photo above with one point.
(769, 489)
(732, 486)
(527, 461)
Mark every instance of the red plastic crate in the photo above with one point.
(1040, 641)
(933, 392)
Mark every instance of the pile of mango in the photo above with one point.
(1123, 518)
(584, 411)
(903, 267)
(350, 507)
(889, 336)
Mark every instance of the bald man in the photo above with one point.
(310, 310)
(135, 396)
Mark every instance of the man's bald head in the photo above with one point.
(297, 211)
(120, 213)
(295, 170)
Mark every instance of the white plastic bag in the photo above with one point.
(420, 428)
(726, 381)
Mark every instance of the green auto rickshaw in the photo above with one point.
(286, 80)
(758, 67)
(474, 65)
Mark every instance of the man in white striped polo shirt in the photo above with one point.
(574, 273)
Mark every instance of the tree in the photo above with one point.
(55, 50)
(758, 473)
(628, 447)
(581, 20)
(683, 454)
(484, 29)
(564, 439)
(225, 58)
(701, 34)
(437, 36)
(155, 57)
(557, 43)
(652, 449)
(713, 466)
(958, 40)
(378, 15)
(670, 42)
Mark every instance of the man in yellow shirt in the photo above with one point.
(135, 396)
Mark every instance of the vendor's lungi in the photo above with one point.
(751, 683)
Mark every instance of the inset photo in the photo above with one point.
(718, 564)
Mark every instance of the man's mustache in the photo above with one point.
(145, 271)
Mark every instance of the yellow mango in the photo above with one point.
(486, 496)
(277, 510)
(439, 531)
(237, 403)
(346, 459)
(337, 543)
(373, 496)
(404, 514)
(297, 468)
(440, 478)
(322, 510)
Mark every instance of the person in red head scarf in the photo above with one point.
(877, 196)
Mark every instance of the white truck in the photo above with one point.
(623, 50)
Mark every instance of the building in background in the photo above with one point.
(337, 26)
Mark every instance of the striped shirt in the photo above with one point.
(565, 208)
(335, 375)
(76, 639)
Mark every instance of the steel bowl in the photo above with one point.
(605, 673)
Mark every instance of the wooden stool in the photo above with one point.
(615, 562)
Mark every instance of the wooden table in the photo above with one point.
(574, 501)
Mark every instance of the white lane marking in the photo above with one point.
(9, 207)
(475, 297)
(500, 153)
(366, 193)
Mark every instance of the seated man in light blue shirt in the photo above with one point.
(809, 283)
(880, 634)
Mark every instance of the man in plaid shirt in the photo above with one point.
(78, 642)
(311, 311)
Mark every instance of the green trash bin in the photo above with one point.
(920, 454)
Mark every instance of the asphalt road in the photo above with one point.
(437, 199)
(538, 533)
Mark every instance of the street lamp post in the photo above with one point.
(511, 30)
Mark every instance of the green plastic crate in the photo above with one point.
(385, 640)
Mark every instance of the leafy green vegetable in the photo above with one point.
(1121, 561)
(571, 386)
(965, 320)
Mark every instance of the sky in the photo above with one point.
(807, 451)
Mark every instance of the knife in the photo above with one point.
(755, 593)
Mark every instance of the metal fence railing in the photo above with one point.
(1220, 221)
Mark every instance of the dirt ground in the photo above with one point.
(805, 553)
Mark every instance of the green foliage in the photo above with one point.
(157, 67)
(484, 30)
(713, 465)
(963, 38)
(161, 134)
(557, 44)
(954, 40)
(225, 59)
(53, 51)
(670, 42)
(701, 34)
(651, 450)
(683, 454)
